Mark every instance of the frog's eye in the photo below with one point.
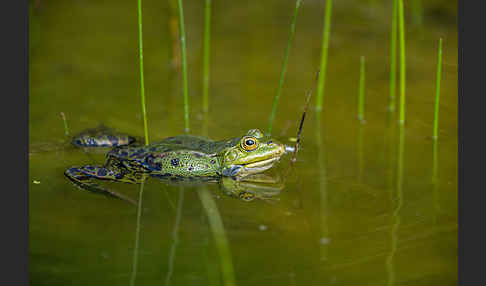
(249, 143)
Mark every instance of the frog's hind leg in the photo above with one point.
(83, 177)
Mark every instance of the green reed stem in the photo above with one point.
(66, 129)
(401, 26)
(325, 45)
(361, 89)
(142, 85)
(284, 67)
(437, 91)
(184, 67)
(393, 56)
(207, 23)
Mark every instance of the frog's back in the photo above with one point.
(196, 143)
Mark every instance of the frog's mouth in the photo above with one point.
(264, 164)
(256, 167)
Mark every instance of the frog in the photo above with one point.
(181, 157)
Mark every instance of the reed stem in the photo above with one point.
(66, 129)
(361, 89)
(142, 85)
(184, 67)
(284, 67)
(393, 56)
(401, 27)
(325, 45)
(207, 23)
(437, 91)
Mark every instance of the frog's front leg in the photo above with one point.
(83, 178)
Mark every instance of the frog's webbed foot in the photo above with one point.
(82, 177)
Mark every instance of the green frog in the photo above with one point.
(183, 157)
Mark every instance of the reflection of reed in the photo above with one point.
(211, 266)
(360, 152)
(137, 235)
(324, 239)
(390, 261)
(435, 181)
(217, 228)
(175, 237)
(219, 235)
(389, 153)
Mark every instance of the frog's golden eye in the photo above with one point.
(249, 143)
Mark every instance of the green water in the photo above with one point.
(354, 211)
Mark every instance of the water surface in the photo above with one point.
(363, 205)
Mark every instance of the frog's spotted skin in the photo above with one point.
(101, 136)
(183, 157)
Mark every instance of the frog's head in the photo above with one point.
(253, 153)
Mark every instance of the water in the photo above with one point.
(353, 212)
